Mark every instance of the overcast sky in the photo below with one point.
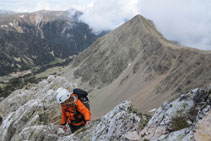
(185, 21)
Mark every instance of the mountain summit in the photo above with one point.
(135, 62)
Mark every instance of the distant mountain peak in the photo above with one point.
(136, 61)
(6, 12)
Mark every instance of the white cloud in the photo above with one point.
(43, 5)
(35, 5)
(107, 15)
(186, 21)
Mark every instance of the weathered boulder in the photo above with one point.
(203, 128)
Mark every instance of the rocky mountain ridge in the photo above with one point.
(135, 62)
(34, 115)
(33, 39)
(182, 119)
(135, 42)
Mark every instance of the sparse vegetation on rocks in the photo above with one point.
(28, 79)
(178, 123)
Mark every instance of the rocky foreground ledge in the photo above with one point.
(34, 115)
(187, 118)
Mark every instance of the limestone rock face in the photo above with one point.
(34, 115)
(30, 114)
(177, 120)
(203, 128)
(113, 126)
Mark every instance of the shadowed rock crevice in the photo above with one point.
(1, 119)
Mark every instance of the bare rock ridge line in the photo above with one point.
(136, 62)
(34, 115)
(137, 37)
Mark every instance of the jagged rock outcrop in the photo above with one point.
(113, 126)
(186, 118)
(34, 115)
(27, 114)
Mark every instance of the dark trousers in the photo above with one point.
(75, 128)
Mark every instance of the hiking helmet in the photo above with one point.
(62, 95)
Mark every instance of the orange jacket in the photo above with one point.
(68, 113)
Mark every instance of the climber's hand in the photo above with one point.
(88, 122)
(64, 128)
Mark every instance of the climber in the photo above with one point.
(73, 110)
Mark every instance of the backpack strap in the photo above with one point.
(75, 98)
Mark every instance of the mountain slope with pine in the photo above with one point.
(34, 39)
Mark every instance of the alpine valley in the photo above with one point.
(39, 38)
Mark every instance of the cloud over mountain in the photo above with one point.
(107, 15)
(187, 22)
